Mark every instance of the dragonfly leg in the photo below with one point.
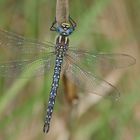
(53, 27)
(72, 22)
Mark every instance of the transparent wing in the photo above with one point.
(13, 45)
(96, 62)
(18, 54)
(15, 68)
(86, 81)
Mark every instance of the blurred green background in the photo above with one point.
(102, 26)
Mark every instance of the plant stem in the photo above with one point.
(62, 11)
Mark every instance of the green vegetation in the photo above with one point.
(103, 26)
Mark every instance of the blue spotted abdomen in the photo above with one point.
(53, 92)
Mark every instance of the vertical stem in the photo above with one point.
(62, 11)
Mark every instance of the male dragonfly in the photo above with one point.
(21, 53)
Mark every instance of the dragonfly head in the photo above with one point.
(65, 26)
(65, 29)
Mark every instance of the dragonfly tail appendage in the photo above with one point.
(46, 128)
(49, 114)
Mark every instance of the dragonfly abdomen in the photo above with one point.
(53, 92)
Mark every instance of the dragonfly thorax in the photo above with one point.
(62, 43)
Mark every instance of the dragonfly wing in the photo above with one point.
(16, 46)
(92, 62)
(16, 68)
(18, 54)
(86, 81)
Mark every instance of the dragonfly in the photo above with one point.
(21, 53)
